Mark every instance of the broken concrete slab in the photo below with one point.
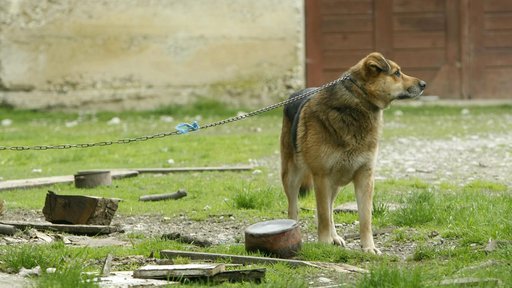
(14, 281)
(469, 281)
(351, 207)
(178, 271)
(95, 242)
(125, 279)
(492, 245)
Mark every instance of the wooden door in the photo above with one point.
(462, 48)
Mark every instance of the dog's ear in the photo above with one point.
(376, 63)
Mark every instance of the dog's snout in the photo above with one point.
(422, 84)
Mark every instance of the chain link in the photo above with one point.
(176, 132)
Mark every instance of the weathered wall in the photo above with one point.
(141, 54)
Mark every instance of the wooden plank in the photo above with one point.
(419, 22)
(314, 60)
(425, 74)
(419, 39)
(343, 59)
(178, 271)
(246, 260)
(498, 58)
(420, 58)
(346, 7)
(423, 6)
(35, 182)
(501, 21)
(472, 56)
(348, 23)
(245, 275)
(498, 39)
(72, 229)
(497, 5)
(194, 169)
(46, 181)
(383, 27)
(498, 83)
(347, 41)
(449, 78)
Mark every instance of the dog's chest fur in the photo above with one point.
(343, 130)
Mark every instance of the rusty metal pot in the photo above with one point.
(281, 238)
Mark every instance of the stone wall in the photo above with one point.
(142, 54)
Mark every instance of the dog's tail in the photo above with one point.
(306, 185)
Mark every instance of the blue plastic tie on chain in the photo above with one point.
(183, 128)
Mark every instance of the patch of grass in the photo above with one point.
(423, 252)
(379, 209)
(385, 276)
(258, 199)
(485, 186)
(418, 210)
(30, 256)
(335, 254)
(68, 276)
(438, 122)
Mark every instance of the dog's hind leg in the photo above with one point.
(292, 176)
(292, 173)
(325, 193)
(363, 184)
(306, 185)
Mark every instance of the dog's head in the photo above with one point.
(383, 81)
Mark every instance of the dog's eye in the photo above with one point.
(397, 73)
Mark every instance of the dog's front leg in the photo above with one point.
(363, 184)
(325, 191)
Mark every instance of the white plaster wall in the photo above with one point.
(141, 54)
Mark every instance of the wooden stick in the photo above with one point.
(7, 229)
(245, 260)
(158, 197)
(251, 275)
(193, 169)
(46, 181)
(72, 229)
(107, 265)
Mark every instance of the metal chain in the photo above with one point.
(176, 132)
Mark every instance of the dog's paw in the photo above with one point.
(372, 250)
(337, 240)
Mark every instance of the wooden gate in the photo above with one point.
(462, 48)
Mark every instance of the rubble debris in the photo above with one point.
(77, 209)
(158, 197)
(176, 236)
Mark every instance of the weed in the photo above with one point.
(385, 276)
(69, 275)
(258, 199)
(423, 252)
(485, 186)
(380, 209)
(419, 209)
(30, 256)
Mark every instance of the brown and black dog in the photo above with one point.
(331, 138)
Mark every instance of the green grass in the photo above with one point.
(389, 277)
(465, 217)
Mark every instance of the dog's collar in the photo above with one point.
(354, 82)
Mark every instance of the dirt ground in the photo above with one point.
(457, 160)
